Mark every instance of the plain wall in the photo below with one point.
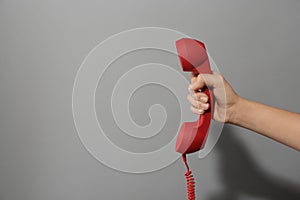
(255, 44)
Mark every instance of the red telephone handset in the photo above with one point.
(192, 135)
(193, 58)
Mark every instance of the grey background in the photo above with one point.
(42, 44)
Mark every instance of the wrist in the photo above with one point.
(234, 112)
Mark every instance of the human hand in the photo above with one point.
(231, 108)
(225, 97)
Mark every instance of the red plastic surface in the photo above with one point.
(193, 58)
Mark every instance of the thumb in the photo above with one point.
(193, 77)
(209, 80)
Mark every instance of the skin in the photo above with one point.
(277, 124)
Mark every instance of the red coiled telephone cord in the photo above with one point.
(190, 181)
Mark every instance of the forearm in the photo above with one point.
(280, 125)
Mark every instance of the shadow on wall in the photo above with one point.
(241, 174)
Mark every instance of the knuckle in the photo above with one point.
(199, 78)
(191, 108)
(189, 98)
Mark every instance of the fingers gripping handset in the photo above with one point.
(193, 58)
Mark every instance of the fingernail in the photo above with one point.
(204, 99)
(200, 111)
(206, 105)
